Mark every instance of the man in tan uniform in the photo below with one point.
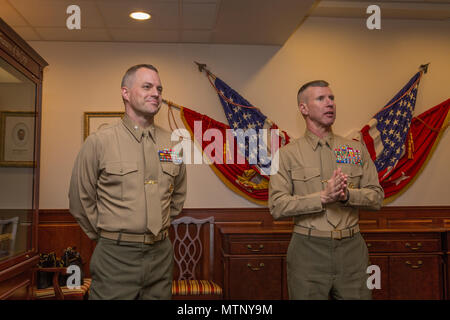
(322, 181)
(125, 187)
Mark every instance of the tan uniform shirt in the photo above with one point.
(107, 184)
(294, 191)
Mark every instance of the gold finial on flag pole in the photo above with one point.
(202, 67)
(424, 67)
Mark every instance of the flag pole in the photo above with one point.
(172, 104)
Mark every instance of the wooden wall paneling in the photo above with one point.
(446, 222)
(57, 237)
(408, 216)
(369, 223)
(420, 223)
(58, 230)
(439, 216)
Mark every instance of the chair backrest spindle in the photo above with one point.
(188, 246)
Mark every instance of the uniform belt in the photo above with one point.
(146, 238)
(334, 234)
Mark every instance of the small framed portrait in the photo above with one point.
(94, 121)
(17, 138)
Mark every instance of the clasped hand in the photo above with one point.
(336, 189)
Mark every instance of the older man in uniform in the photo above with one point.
(322, 181)
(126, 185)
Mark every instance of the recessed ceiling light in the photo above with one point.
(139, 15)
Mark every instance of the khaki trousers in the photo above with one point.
(323, 268)
(131, 270)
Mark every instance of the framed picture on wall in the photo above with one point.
(94, 121)
(17, 138)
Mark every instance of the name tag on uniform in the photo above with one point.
(169, 155)
(346, 154)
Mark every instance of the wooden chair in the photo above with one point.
(56, 291)
(194, 259)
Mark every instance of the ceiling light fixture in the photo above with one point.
(140, 15)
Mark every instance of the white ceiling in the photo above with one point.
(390, 9)
(268, 22)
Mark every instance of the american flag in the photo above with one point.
(242, 115)
(386, 133)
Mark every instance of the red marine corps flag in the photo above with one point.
(426, 130)
(401, 144)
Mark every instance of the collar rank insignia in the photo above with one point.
(169, 155)
(346, 154)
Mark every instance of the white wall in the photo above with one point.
(365, 69)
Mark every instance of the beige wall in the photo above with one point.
(365, 68)
(16, 187)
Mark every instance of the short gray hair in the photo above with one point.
(315, 83)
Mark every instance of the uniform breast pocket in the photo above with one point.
(306, 180)
(354, 173)
(120, 179)
(169, 172)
